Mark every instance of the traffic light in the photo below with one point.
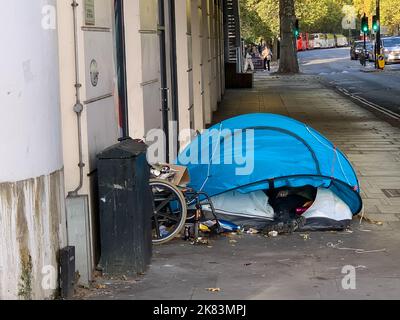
(364, 24)
(296, 29)
(375, 23)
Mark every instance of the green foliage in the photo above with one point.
(390, 12)
(260, 18)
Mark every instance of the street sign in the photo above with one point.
(349, 19)
(349, 24)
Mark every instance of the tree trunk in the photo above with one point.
(288, 56)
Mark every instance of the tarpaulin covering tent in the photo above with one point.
(266, 151)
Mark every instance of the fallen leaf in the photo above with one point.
(101, 287)
(252, 231)
(370, 221)
(305, 236)
(214, 289)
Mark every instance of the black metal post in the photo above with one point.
(121, 67)
(174, 69)
(365, 36)
(163, 74)
(365, 42)
(378, 34)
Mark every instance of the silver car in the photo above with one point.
(391, 49)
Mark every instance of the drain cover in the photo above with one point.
(392, 193)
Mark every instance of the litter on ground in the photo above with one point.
(214, 290)
(305, 236)
(339, 244)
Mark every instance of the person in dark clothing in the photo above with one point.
(285, 201)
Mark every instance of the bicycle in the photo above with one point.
(171, 210)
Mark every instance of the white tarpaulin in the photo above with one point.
(250, 209)
(329, 206)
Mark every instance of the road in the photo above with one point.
(377, 88)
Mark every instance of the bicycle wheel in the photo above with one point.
(170, 211)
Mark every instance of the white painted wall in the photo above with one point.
(143, 66)
(99, 117)
(184, 69)
(102, 120)
(32, 213)
(30, 127)
(206, 60)
(197, 52)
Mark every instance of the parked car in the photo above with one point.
(330, 40)
(341, 40)
(320, 40)
(391, 49)
(371, 51)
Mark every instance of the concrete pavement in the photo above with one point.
(299, 266)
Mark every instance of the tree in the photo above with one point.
(315, 16)
(390, 12)
(253, 27)
(288, 57)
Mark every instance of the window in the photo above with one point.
(391, 42)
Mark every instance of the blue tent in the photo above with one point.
(264, 151)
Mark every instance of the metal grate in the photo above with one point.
(392, 193)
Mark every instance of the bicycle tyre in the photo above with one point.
(154, 183)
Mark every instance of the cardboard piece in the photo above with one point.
(181, 177)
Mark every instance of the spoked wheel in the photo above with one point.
(170, 211)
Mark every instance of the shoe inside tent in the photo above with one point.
(244, 161)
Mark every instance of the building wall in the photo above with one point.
(207, 57)
(199, 63)
(185, 70)
(99, 120)
(38, 125)
(100, 116)
(32, 219)
(197, 60)
(143, 67)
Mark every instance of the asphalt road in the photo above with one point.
(380, 88)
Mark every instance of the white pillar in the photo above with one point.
(197, 51)
(206, 61)
(143, 66)
(31, 178)
(184, 69)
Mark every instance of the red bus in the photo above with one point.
(302, 42)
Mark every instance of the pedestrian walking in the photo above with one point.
(267, 55)
(248, 61)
